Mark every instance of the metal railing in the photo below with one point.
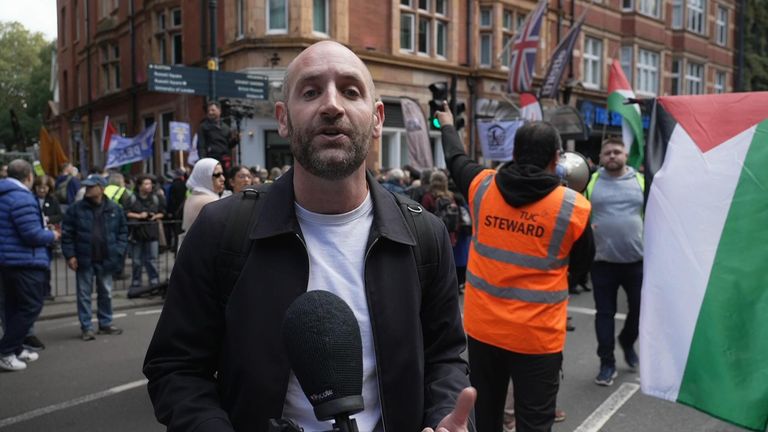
(63, 279)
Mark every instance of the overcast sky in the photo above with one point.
(36, 15)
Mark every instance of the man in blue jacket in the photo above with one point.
(94, 238)
(23, 263)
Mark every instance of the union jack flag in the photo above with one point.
(522, 57)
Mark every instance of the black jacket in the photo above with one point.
(519, 185)
(221, 369)
(213, 139)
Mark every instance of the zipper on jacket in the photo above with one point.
(373, 335)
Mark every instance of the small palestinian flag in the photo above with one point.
(619, 91)
(704, 313)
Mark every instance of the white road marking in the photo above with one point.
(607, 409)
(588, 311)
(71, 403)
(149, 312)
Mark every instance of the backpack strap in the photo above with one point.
(236, 244)
(425, 250)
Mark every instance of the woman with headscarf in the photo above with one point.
(206, 183)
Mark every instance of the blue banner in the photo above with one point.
(124, 150)
(180, 136)
(497, 138)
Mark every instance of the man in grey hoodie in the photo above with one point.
(616, 193)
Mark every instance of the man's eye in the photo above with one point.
(310, 93)
(351, 92)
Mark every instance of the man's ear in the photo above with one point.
(378, 118)
(281, 114)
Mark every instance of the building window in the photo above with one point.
(696, 21)
(694, 78)
(430, 38)
(520, 20)
(647, 72)
(677, 14)
(176, 17)
(626, 61)
(677, 83)
(440, 38)
(110, 67)
(508, 22)
(486, 52)
(627, 5)
(721, 26)
(168, 38)
(593, 63)
(719, 82)
(441, 7)
(406, 32)
(277, 16)
(424, 35)
(506, 41)
(650, 8)
(63, 27)
(107, 7)
(320, 16)
(77, 20)
(485, 17)
(239, 18)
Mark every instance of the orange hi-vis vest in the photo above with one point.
(517, 276)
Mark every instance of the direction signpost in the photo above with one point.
(189, 80)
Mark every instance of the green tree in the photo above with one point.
(25, 65)
(756, 46)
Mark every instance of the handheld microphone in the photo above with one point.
(322, 340)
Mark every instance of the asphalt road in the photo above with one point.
(98, 386)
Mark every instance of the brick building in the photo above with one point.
(104, 48)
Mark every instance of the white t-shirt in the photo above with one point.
(336, 246)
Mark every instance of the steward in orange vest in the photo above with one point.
(527, 231)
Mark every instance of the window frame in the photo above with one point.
(692, 80)
(488, 12)
(721, 26)
(240, 19)
(486, 36)
(651, 8)
(627, 5)
(277, 30)
(592, 63)
(441, 52)
(677, 15)
(647, 73)
(326, 18)
(412, 39)
(696, 21)
(626, 63)
(676, 77)
(720, 82)
(424, 39)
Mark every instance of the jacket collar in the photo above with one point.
(278, 214)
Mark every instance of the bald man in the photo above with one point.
(332, 227)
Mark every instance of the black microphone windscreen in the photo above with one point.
(322, 340)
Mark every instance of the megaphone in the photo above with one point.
(573, 170)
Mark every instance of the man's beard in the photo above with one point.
(312, 158)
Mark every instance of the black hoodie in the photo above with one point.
(519, 185)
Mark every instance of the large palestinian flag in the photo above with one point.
(704, 314)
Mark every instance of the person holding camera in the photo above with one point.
(145, 213)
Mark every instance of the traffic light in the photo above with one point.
(439, 94)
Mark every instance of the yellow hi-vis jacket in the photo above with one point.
(517, 275)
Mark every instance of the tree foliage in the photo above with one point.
(756, 46)
(25, 76)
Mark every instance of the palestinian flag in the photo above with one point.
(619, 91)
(530, 108)
(704, 313)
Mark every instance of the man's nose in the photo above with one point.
(331, 103)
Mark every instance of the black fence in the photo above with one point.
(63, 279)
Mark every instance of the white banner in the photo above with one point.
(497, 138)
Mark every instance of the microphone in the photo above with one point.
(322, 340)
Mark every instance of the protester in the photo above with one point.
(52, 216)
(616, 193)
(95, 236)
(215, 138)
(325, 225)
(24, 261)
(67, 184)
(206, 184)
(395, 181)
(116, 190)
(238, 177)
(145, 211)
(528, 230)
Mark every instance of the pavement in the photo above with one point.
(65, 306)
